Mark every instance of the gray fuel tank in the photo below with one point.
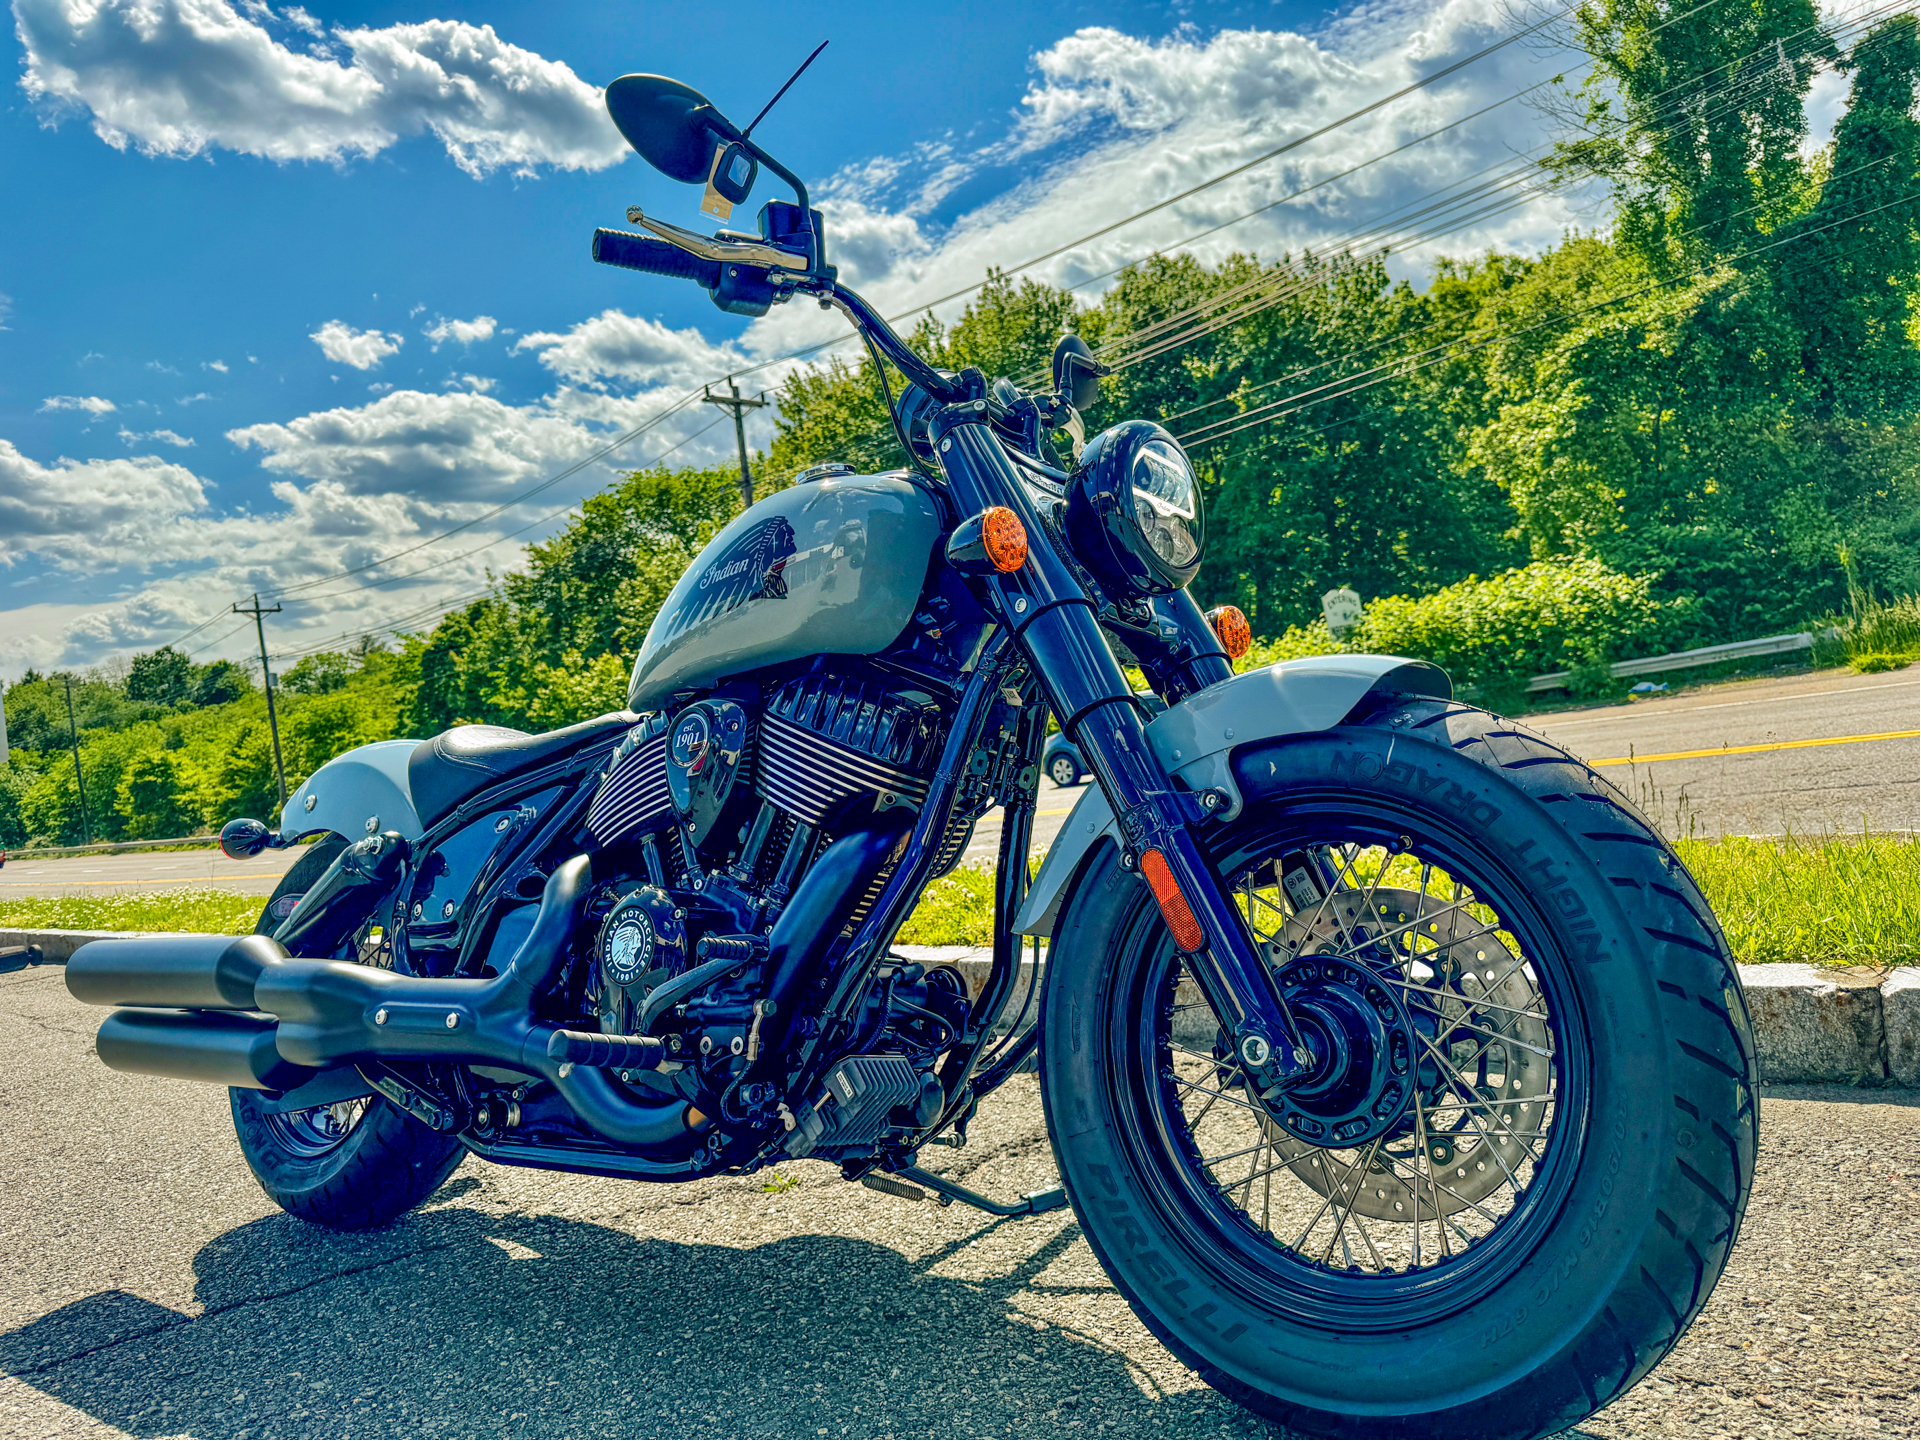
(833, 567)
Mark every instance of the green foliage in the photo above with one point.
(154, 771)
(1553, 615)
(164, 676)
(1873, 636)
(1697, 119)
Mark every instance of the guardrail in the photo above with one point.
(108, 848)
(1686, 659)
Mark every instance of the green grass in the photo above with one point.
(1874, 636)
(1833, 900)
(186, 909)
(1836, 900)
(957, 910)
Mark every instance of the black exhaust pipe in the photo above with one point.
(326, 1014)
(210, 973)
(215, 1046)
(330, 1013)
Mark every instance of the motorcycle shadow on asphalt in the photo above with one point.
(459, 1322)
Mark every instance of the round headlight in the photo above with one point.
(1134, 511)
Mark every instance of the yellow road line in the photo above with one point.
(156, 881)
(1750, 750)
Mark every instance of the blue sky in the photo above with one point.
(288, 290)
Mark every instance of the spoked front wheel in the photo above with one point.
(1521, 1159)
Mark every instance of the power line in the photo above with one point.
(1729, 93)
(1400, 369)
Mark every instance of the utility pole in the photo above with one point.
(266, 677)
(79, 781)
(734, 402)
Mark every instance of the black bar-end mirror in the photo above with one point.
(673, 126)
(1077, 375)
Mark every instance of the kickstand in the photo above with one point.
(1034, 1203)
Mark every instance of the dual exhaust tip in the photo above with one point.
(240, 1011)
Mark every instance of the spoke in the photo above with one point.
(1326, 1200)
(1496, 1150)
(1218, 1096)
(1211, 1059)
(1472, 1003)
(1361, 1226)
(1488, 1107)
(1493, 1036)
(1503, 1101)
(1420, 1139)
(1232, 1155)
(1394, 1160)
(1340, 1222)
(1247, 1186)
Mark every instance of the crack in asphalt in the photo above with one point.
(222, 1309)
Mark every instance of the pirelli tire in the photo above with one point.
(352, 1166)
(1652, 1186)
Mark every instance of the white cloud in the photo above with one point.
(167, 437)
(435, 448)
(481, 327)
(191, 399)
(615, 345)
(182, 77)
(92, 404)
(219, 365)
(362, 349)
(74, 510)
(1113, 123)
(6, 310)
(162, 369)
(480, 384)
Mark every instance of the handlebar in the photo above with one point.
(655, 257)
(660, 257)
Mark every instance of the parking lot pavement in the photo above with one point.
(150, 1289)
(105, 875)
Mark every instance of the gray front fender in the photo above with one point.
(356, 793)
(1196, 741)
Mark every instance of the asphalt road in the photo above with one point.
(1800, 788)
(150, 1289)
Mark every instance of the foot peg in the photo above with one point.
(591, 1048)
(1034, 1203)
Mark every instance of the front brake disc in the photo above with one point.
(1480, 1006)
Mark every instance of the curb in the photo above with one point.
(1809, 1024)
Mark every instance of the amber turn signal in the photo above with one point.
(993, 542)
(1231, 629)
(1174, 907)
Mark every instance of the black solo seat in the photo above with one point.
(455, 764)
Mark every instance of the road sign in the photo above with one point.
(1342, 607)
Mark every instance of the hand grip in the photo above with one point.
(656, 257)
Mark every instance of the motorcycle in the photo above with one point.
(1396, 1070)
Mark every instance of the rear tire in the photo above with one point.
(353, 1165)
(1063, 772)
(1613, 1237)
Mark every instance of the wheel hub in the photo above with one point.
(1364, 1047)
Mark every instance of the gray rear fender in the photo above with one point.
(1196, 741)
(357, 793)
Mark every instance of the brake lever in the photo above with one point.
(726, 252)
